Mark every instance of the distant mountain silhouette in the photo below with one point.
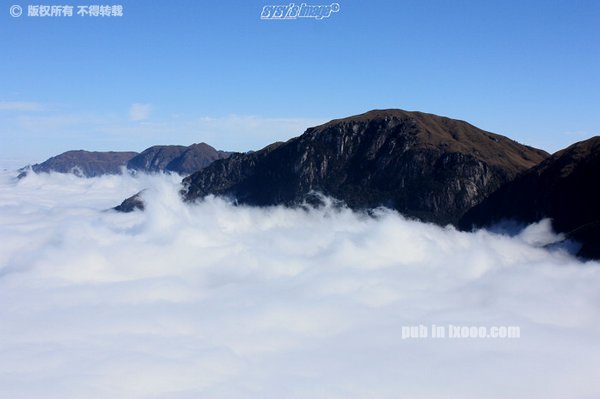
(565, 187)
(176, 158)
(84, 163)
(425, 166)
(163, 158)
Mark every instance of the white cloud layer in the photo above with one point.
(216, 301)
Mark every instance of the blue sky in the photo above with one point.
(178, 72)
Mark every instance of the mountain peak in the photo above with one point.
(447, 134)
(176, 158)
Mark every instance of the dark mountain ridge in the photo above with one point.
(565, 187)
(425, 166)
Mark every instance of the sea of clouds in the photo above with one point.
(215, 301)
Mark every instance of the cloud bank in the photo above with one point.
(215, 301)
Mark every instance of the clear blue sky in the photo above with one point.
(178, 72)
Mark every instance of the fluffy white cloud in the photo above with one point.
(139, 112)
(211, 300)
